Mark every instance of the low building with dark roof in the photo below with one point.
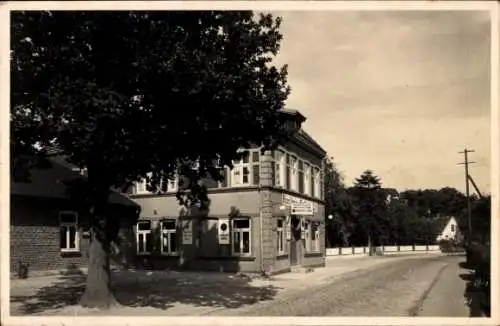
(49, 229)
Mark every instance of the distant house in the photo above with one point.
(449, 229)
(48, 229)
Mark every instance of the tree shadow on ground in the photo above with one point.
(159, 289)
(65, 291)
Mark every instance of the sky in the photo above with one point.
(396, 92)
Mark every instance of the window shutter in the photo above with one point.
(273, 173)
(256, 174)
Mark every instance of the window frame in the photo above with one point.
(317, 182)
(279, 168)
(169, 233)
(241, 231)
(307, 236)
(144, 233)
(307, 178)
(68, 225)
(240, 166)
(315, 228)
(294, 175)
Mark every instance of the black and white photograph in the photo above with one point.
(296, 159)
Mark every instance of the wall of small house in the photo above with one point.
(447, 233)
(35, 236)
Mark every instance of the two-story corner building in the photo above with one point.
(267, 215)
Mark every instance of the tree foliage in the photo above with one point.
(124, 94)
(392, 218)
(370, 200)
(338, 204)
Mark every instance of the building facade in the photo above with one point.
(49, 230)
(266, 216)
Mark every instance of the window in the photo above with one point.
(280, 237)
(173, 184)
(452, 228)
(307, 179)
(317, 188)
(315, 237)
(241, 236)
(301, 176)
(287, 172)
(307, 236)
(140, 187)
(144, 240)
(313, 181)
(279, 169)
(168, 237)
(247, 171)
(68, 228)
(321, 185)
(295, 167)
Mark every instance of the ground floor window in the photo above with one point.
(307, 236)
(168, 237)
(315, 236)
(144, 238)
(280, 232)
(68, 230)
(241, 236)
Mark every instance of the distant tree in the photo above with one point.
(370, 200)
(125, 94)
(446, 201)
(480, 218)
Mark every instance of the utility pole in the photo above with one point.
(466, 164)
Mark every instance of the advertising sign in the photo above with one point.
(187, 232)
(223, 234)
(300, 206)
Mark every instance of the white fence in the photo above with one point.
(360, 251)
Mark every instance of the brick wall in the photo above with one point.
(35, 236)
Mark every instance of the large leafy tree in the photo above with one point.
(123, 94)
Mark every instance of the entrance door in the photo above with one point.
(294, 240)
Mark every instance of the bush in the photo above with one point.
(478, 259)
(449, 246)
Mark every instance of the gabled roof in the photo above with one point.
(440, 222)
(50, 183)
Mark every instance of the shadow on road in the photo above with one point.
(223, 291)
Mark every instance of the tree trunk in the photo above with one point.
(98, 290)
(370, 247)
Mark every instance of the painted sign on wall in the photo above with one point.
(300, 206)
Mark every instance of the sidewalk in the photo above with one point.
(446, 297)
(169, 293)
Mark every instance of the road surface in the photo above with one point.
(429, 286)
